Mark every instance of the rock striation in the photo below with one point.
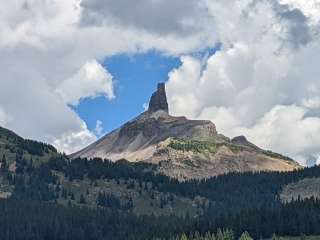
(182, 148)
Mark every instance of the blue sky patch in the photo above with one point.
(135, 78)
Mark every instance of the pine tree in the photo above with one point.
(274, 237)
(4, 166)
(183, 237)
(211, 236)
(219, 235)
(303, 237)
(245, 236)
(82, 200)
(228, 234)
(71, 195)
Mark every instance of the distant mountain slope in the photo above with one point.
(14, 147)
(17, 154)
(182, 148)
(303, 189)
(33, 170)
(203, 159)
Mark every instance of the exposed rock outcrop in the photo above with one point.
(158, 100)
(242, 141)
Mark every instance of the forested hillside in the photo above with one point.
(46, 195)
(24, 220)
(240, 201)
(14, 147)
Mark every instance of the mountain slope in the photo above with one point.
(303, 189)
(16, 154)
(14, 147)
(214, 159)
(182, 148)
(39, 170)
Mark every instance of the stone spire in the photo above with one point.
(158, 100)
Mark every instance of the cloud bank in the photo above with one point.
(92, 80)
(264, 82)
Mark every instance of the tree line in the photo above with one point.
(33, 220)
(238, 201)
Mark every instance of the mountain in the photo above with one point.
(182, 148)
(16, 154)
(47, 194)
(34, 170)
(14, 148)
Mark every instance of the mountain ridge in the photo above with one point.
(148, 138)
(13, 147)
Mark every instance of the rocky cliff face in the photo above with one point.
(182, 148)
(158, 100)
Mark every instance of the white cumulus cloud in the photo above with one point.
(92, 80)
(263, 82)
(98, 130)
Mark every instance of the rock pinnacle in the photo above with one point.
(158, 100)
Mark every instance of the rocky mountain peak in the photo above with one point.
(243, 141)
(240, 140)
(158, 100)
(182, 148)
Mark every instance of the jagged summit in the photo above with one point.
(243, 141)
(158, 100)
(180, 147)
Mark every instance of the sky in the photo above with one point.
(135, 79)
(73, 70)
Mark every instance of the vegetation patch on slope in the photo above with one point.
(277, 155)
(211, 147)
(197, 146)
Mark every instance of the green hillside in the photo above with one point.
(14, 148)
(211, 147)
(25, 160)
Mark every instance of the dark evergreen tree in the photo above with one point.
(4, 164)
(82, 200)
